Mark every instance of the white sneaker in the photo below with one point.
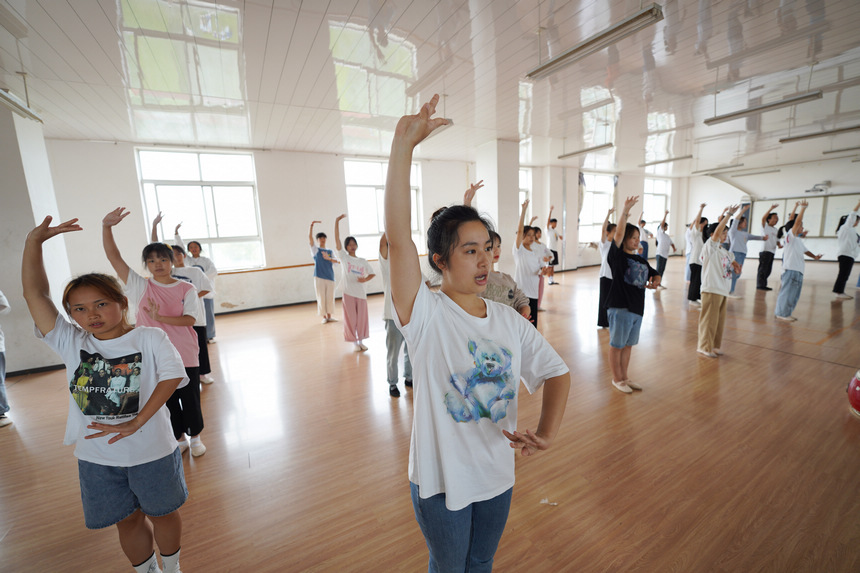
(207, 379)
(198, 449)
(362, 346)
(843, 296)
(633, 385)
(5, 420)
(734, 296)
(786, 318)
(706, 353)
(324, 320)
(718, 352)
(183, 446)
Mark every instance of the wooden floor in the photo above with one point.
(745, 463)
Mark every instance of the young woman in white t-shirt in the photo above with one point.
(129, 477)
(468, 357)
(793, 266)
(607, 232)
(528, 263)
(356, 272)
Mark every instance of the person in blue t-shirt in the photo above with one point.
(323, 273)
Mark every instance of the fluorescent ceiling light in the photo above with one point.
(17, 105)
(840, 150)
(712, 169)
(670, 160)
(819, 134)
(757, 173)
(587, 150)
(600, 41)
(757, 109)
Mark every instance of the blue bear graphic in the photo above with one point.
(484, 392)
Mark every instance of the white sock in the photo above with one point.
(149, 566)
(195, 439)
(171, 562)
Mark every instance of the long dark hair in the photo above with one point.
(443, 236)
(157, 249)
(842, 220)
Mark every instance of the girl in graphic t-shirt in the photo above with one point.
(625, 305)
(469, 355)
(356, 272)
(171, 305)
(127, 476)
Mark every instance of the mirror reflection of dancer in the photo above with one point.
(696, 243)
(664, 242)
(171, 305)
(323, 273)
(356, 272)
(631, 275)
(553, 237)
(768, 249)
(134, 479)
(738, 237)
(461, 505)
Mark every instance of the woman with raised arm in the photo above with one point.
(631, 275)
(468, 357)
(738, 237)
(717, 266)
(164, 302)
(696, 234)
(528, 264)
(792, 268)
(129, 467)
(607, 233)
(768, 250)
(323, 273)
(356, 272)
(664, 243)
(847, 250)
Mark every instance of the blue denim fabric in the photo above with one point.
(789, 293)
(623, 327)
(209, 309)
(463, 540)
(739, 259)
(687, 270)
(393, 342)
(112, 493)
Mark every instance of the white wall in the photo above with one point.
(293, 189)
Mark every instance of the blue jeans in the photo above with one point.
(463, 540)
(687, 271)
(789, 293)
(623, 327)
(739, 259)
(4, 401)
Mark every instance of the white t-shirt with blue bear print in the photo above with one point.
(466, 373)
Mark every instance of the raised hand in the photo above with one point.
(774, 206)
(176, 230)
(339, 217)
(470, 192)
(629, 203)
(413, 129)
(158, 218)
(525, 205)
(44, 231)
(703, 205)
(115, 217)
(611, 211)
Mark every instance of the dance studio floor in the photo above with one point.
(748, 462)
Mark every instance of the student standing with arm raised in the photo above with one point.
(768, 250)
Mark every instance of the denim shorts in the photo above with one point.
(623, 327)
(112, 493)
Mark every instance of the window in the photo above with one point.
(596, 202)
(213, 195)
(658, 197)
(365, 201)
(525, 191)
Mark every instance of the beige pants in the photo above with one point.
(325, 296)
(712, 319)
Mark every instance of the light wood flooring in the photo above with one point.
(749, 462)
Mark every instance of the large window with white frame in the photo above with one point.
(596, 202)
(658, 198)
(365, 201)
(212, 195)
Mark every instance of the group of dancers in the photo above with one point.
(468, 348)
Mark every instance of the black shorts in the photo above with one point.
(554, 261)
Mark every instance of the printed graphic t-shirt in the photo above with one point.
(630, 274)
(115, 398)
(466, 372)
(716, 268)
(353, 268)
(792, 256)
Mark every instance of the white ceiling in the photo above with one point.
(333, 76)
